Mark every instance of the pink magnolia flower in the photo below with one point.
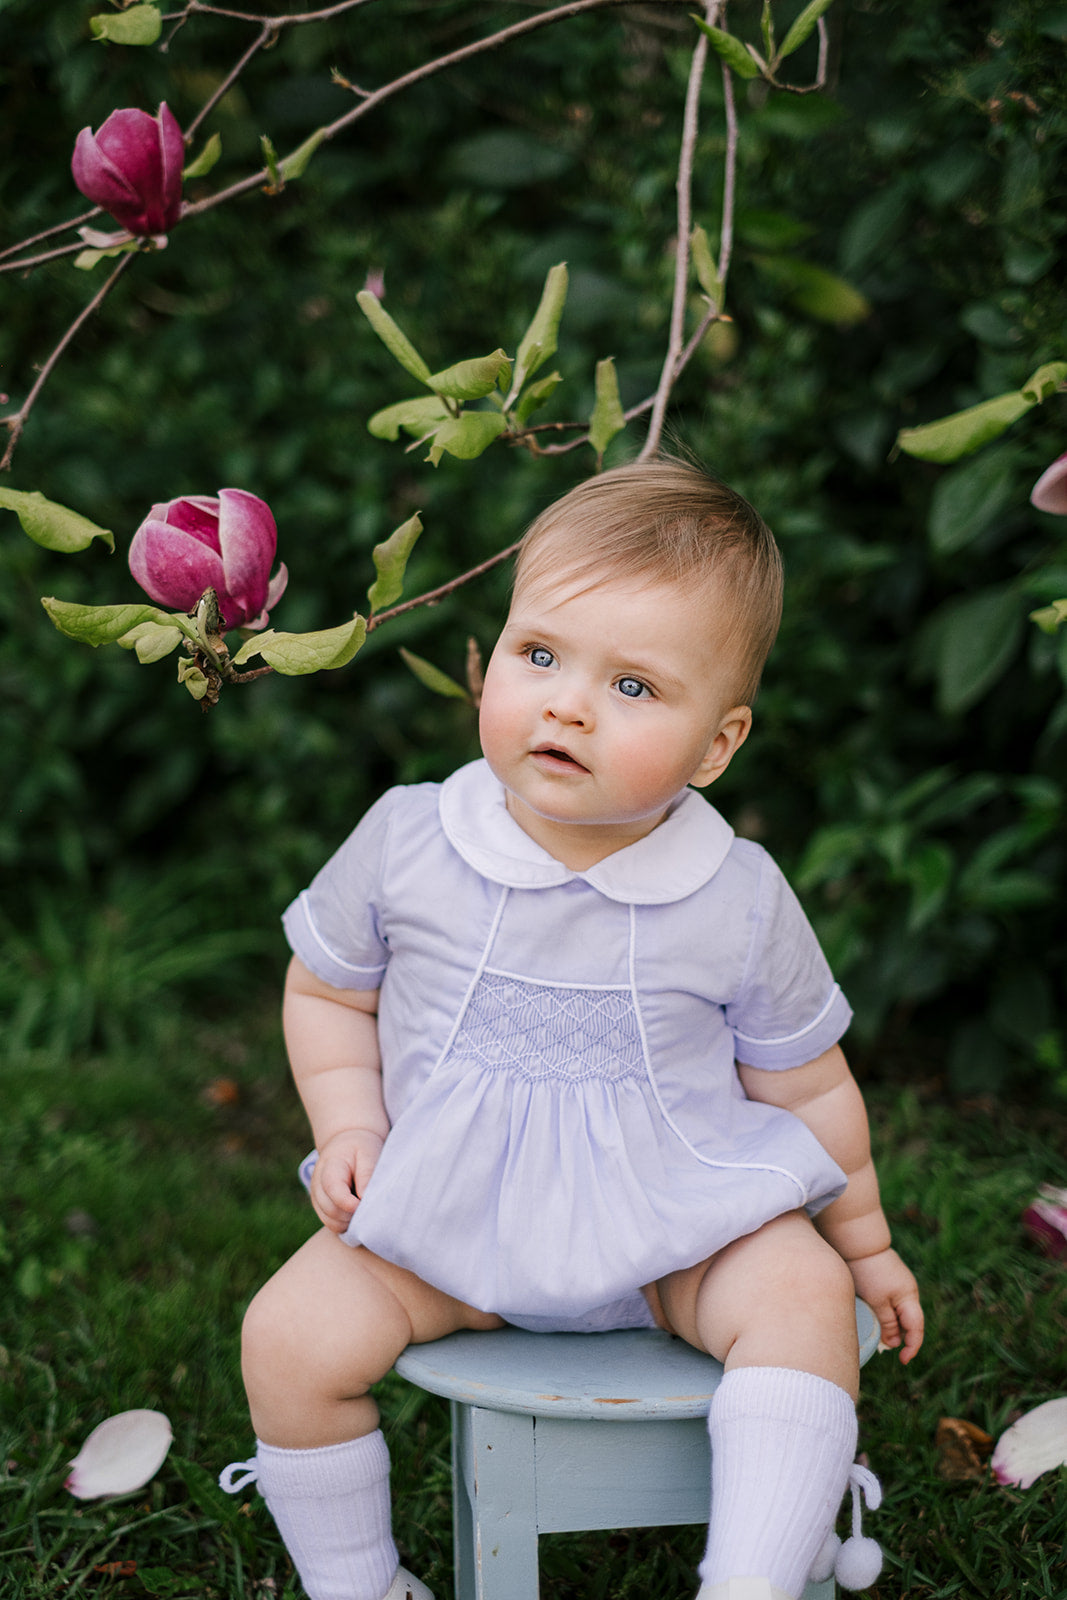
(132, 166)
(1050, 491)
(201, 542)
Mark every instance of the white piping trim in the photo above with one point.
(706, 1161)
(475, 979)
(554, 983)
(790, 1038)
(304, 903)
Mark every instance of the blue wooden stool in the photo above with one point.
(531, 1453)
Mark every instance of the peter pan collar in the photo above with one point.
(674, 860)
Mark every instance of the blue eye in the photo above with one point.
(632, 688)
(540, 657)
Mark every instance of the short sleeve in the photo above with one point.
(334, 925)
(788, 1009)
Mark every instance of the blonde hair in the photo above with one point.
(668, 522)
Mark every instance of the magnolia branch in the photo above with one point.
(16, 421)
(684, 186)
(433, 597)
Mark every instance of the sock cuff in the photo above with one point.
(330, 1469)
(784, 1394)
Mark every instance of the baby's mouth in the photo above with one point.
(553, 753)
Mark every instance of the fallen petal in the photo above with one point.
(1033, 1445)
(1050, 491)
(120, 1455)
(1045, 1220)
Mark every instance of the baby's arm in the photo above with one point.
(332, 1038)
(826, 1097)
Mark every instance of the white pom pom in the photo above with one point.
(823, 1565)
(859, 1561)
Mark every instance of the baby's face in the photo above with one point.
(601, 703)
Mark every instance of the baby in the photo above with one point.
(569, 1050)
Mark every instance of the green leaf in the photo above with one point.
(964, 432)
(465, 437)
(803, 27)
(98, 625)
(821, 294)
(52, 525)
(1049, 618)
(1045, 381)
(207, 158)
(979, 636)
(472, 380)
(766, 25)
(295, 655)
(832, 852)
(390, 562)
(151, 640)
(418, 417)
(193, 678)
(432, 677)
(969, 498)
(732, 51)
(929, 871)
(397, 343)
(270, 160)
(295, 164)
(536, 395)
(607, 419)
(538, 343)
(705, 268)
(138, 25)
(86, 260)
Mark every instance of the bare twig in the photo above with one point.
(428, 69)
(433, 596)
(17, 420)
(690, 126)
(48, 233)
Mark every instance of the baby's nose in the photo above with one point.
(569, 702)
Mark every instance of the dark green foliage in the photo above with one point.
(908, 760)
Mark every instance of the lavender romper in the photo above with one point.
(558, 1048)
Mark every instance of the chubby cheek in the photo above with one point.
(499, 718)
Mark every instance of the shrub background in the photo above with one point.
(908, 764)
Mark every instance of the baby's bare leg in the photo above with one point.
(325, 1328)
(779, 1297)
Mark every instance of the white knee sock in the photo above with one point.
(332, 1509)
(782, 1443)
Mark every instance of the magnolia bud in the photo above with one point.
(226, 543)
(132, 166)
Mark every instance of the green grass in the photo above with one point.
(139, 1214)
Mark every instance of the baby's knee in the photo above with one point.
(269, 1342)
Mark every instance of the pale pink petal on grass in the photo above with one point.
(1035, 1444)
(1050, 491)
(120, 1455)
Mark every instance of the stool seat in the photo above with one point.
(529, 1455)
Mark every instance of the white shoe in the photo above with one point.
(405, 1587)
(742, 1589)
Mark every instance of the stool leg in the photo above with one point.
(494, 1504)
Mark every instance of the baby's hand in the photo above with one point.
(893, 1295)
(342, 1173)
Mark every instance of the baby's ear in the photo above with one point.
(733, 731)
